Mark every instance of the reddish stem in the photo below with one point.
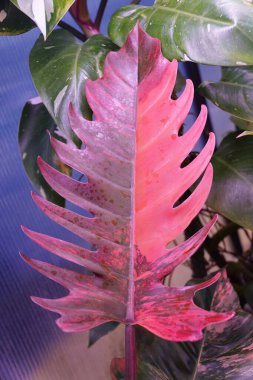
(79, 11)
(130, 353)
(100, 13)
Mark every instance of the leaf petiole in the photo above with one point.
(130, 353)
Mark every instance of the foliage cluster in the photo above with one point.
(211, 32)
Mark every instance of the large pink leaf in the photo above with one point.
(133, 159)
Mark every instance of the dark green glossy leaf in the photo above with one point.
(224, 353)
(232, 190)
(60, 66)
(248, 294)
(45, 13)
(228, 349)
(34, 141)
(242, 124)
(180, 82)
(217, 32)
(12, 20)
(233, 93)
(163, 360)
(99, 331)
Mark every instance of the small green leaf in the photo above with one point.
(233, 93)
(60, 67)
(45, 13)
(215, 32)
(34, 141)
(12, 21)
(232, 190)
(180, 82)
(99, 331)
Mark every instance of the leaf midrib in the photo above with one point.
(130, 313)
(225, 83)
(192, 15)
(59, 58)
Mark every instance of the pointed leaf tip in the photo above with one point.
(21, 254)
(34, 195)
(24, 229)
(25, 258)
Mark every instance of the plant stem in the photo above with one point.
(100, 13)
(79, 11)
(72, 30)
(130, 352)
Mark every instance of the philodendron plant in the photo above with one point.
(132, 160)
(120, 148)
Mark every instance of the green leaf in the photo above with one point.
(233, 93)
(160, 359)
(60, 67)
(34, 141)
(12, 21)
(242, 124)
(248, 293)
(232, 190)
(227, 350)
(99, 331)
(180, 83)
(215, 32)
(45, 13)
(224, 353)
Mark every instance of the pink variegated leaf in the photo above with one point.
(132, 158)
